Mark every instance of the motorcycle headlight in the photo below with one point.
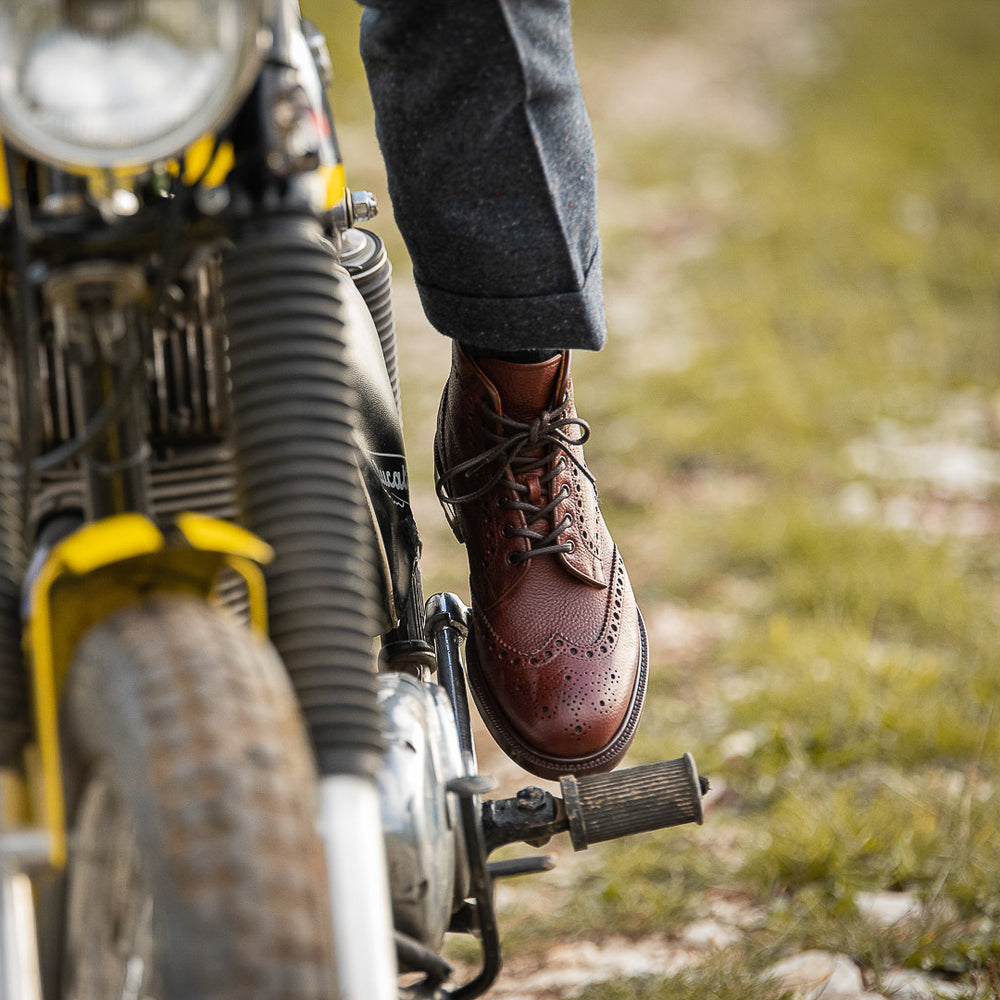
(113, 83)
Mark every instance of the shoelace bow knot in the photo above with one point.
(522, 448)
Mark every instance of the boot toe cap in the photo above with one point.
(568, 707)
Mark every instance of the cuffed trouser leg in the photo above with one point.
(491, 167)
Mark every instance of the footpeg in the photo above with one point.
(599, 806)
(649, 797)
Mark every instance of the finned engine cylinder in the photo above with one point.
(14, 706)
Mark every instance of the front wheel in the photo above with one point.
(195, 869)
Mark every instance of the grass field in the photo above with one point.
(797, 439)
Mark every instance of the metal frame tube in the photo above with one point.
(447, 624)
(20, 978)
(351, 826)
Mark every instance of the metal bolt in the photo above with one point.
(364, 206)
(124, 202)
(471, 784)
(287, 108)
(531, 799)
(64, 203)
(212, 201)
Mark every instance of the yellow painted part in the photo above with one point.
(4, 181)
(39, 639)
(194, 162)
(104, 542)
(336, 184)
(221, 165)
(13, 799)
(101, 183)
(196, 158)
(253, 577)
(33, 771)
(97, 570)
(245, 554)
(92, 547)
(213, 535)
(199, 164)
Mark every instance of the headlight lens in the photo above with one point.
(110, 83)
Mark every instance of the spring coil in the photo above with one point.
(297, 478)
(364, 256)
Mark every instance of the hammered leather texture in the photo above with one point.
(557, 653)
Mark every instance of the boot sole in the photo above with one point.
(546, 765)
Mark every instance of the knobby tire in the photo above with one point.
(195, 868)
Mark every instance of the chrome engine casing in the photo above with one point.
(428, 871)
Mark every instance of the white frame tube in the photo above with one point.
(20, 978)
(351, 827)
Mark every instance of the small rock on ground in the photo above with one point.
(569, 968)
(711, 934)
(820, 974)
(888, 908)
(905, 984)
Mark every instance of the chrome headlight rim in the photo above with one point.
(236, 69)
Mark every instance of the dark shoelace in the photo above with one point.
(523, 447)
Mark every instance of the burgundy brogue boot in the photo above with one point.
(557, 657)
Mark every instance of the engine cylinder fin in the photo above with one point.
(14, 711)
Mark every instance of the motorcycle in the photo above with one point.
(209, 784)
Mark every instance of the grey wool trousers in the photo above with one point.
(491, 168)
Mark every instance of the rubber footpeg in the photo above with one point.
(639, 799)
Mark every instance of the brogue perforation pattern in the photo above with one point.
(586, 690)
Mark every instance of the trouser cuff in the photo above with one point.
(559, 322)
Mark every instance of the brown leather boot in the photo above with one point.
(557, 657)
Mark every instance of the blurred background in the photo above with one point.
(797, 439)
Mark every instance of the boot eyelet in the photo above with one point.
(507, 531)
(512, 559)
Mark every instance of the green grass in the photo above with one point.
(850, 283)
(733, 976)
(630, 888)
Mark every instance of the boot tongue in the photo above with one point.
(525, 390)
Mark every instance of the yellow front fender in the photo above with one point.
(95, 571)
